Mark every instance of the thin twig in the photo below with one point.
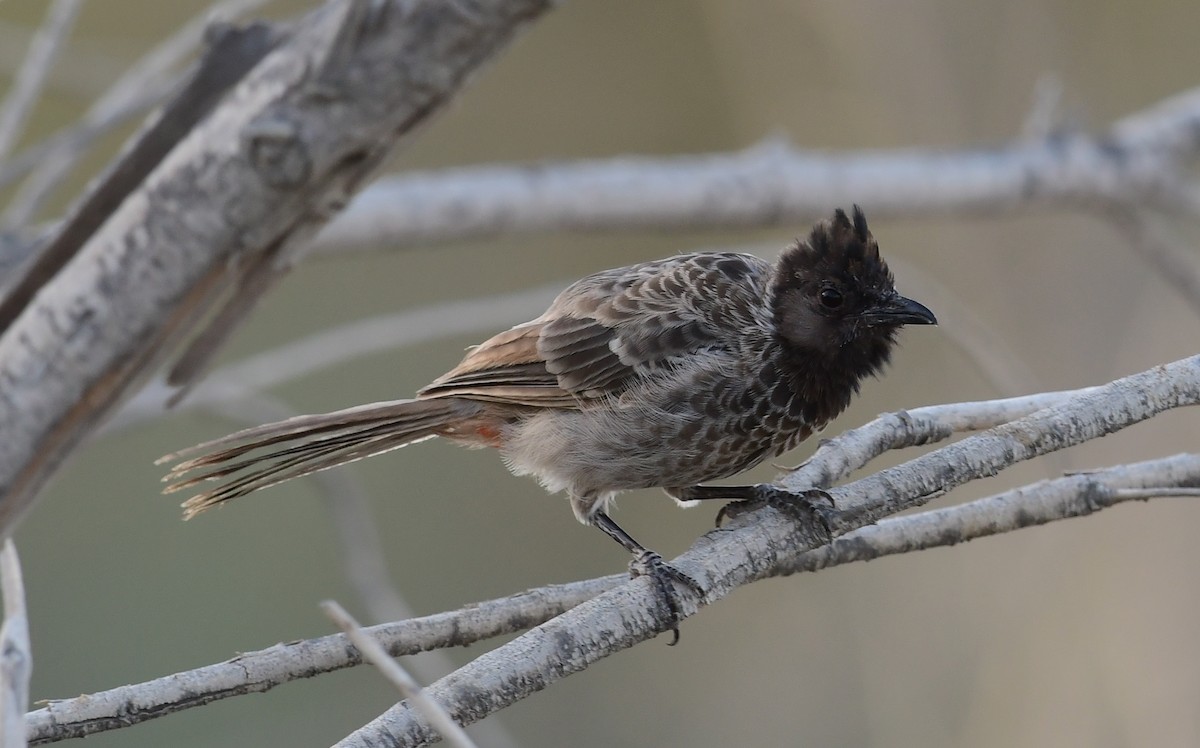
(71, 142)
(15, 109)
(160, 65)
(374, 653)
(16, 655)
(80, 71)
(1043, 117)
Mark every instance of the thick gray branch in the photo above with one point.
(224, 209)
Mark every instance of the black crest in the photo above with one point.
(841, 251)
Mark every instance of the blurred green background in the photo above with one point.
(1080, 633)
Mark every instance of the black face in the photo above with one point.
(834, 294)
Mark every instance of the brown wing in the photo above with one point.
(506, 368)
(608, 328)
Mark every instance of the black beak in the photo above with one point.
(898, 310)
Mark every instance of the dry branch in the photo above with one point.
(220, 215)
(1141, 160)
(757, 543)
(255, 672)
(261, 168)
(765, 543)
(1044, 502)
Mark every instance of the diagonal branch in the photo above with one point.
(277, 156)
(372, 651)
(835, 459)
(253, 672)
(757, 543)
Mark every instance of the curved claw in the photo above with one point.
(811, 503)
(650, 564)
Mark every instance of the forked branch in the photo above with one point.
(586, 621)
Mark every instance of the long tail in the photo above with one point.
(312, 443)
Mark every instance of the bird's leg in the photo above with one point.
(813, 502)
(648, 563)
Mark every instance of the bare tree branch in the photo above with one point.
(1140, 160)
(1044, 502)
(837, 458)
(255, 672)
(81, 70)
(279, 155)
(1072, 496)
(361, 549)
(758, 542)
(373, 652)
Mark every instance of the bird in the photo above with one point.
(664, 374)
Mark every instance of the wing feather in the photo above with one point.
(607, 329)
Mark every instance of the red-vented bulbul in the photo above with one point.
(662, 374)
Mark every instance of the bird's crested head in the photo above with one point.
(834, 295)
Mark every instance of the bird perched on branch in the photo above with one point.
(663, 374)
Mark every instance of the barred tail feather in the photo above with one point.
(307, 444)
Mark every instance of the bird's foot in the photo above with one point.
(647, 563)
(802, 505)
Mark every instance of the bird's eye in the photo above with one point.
(831, 298)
